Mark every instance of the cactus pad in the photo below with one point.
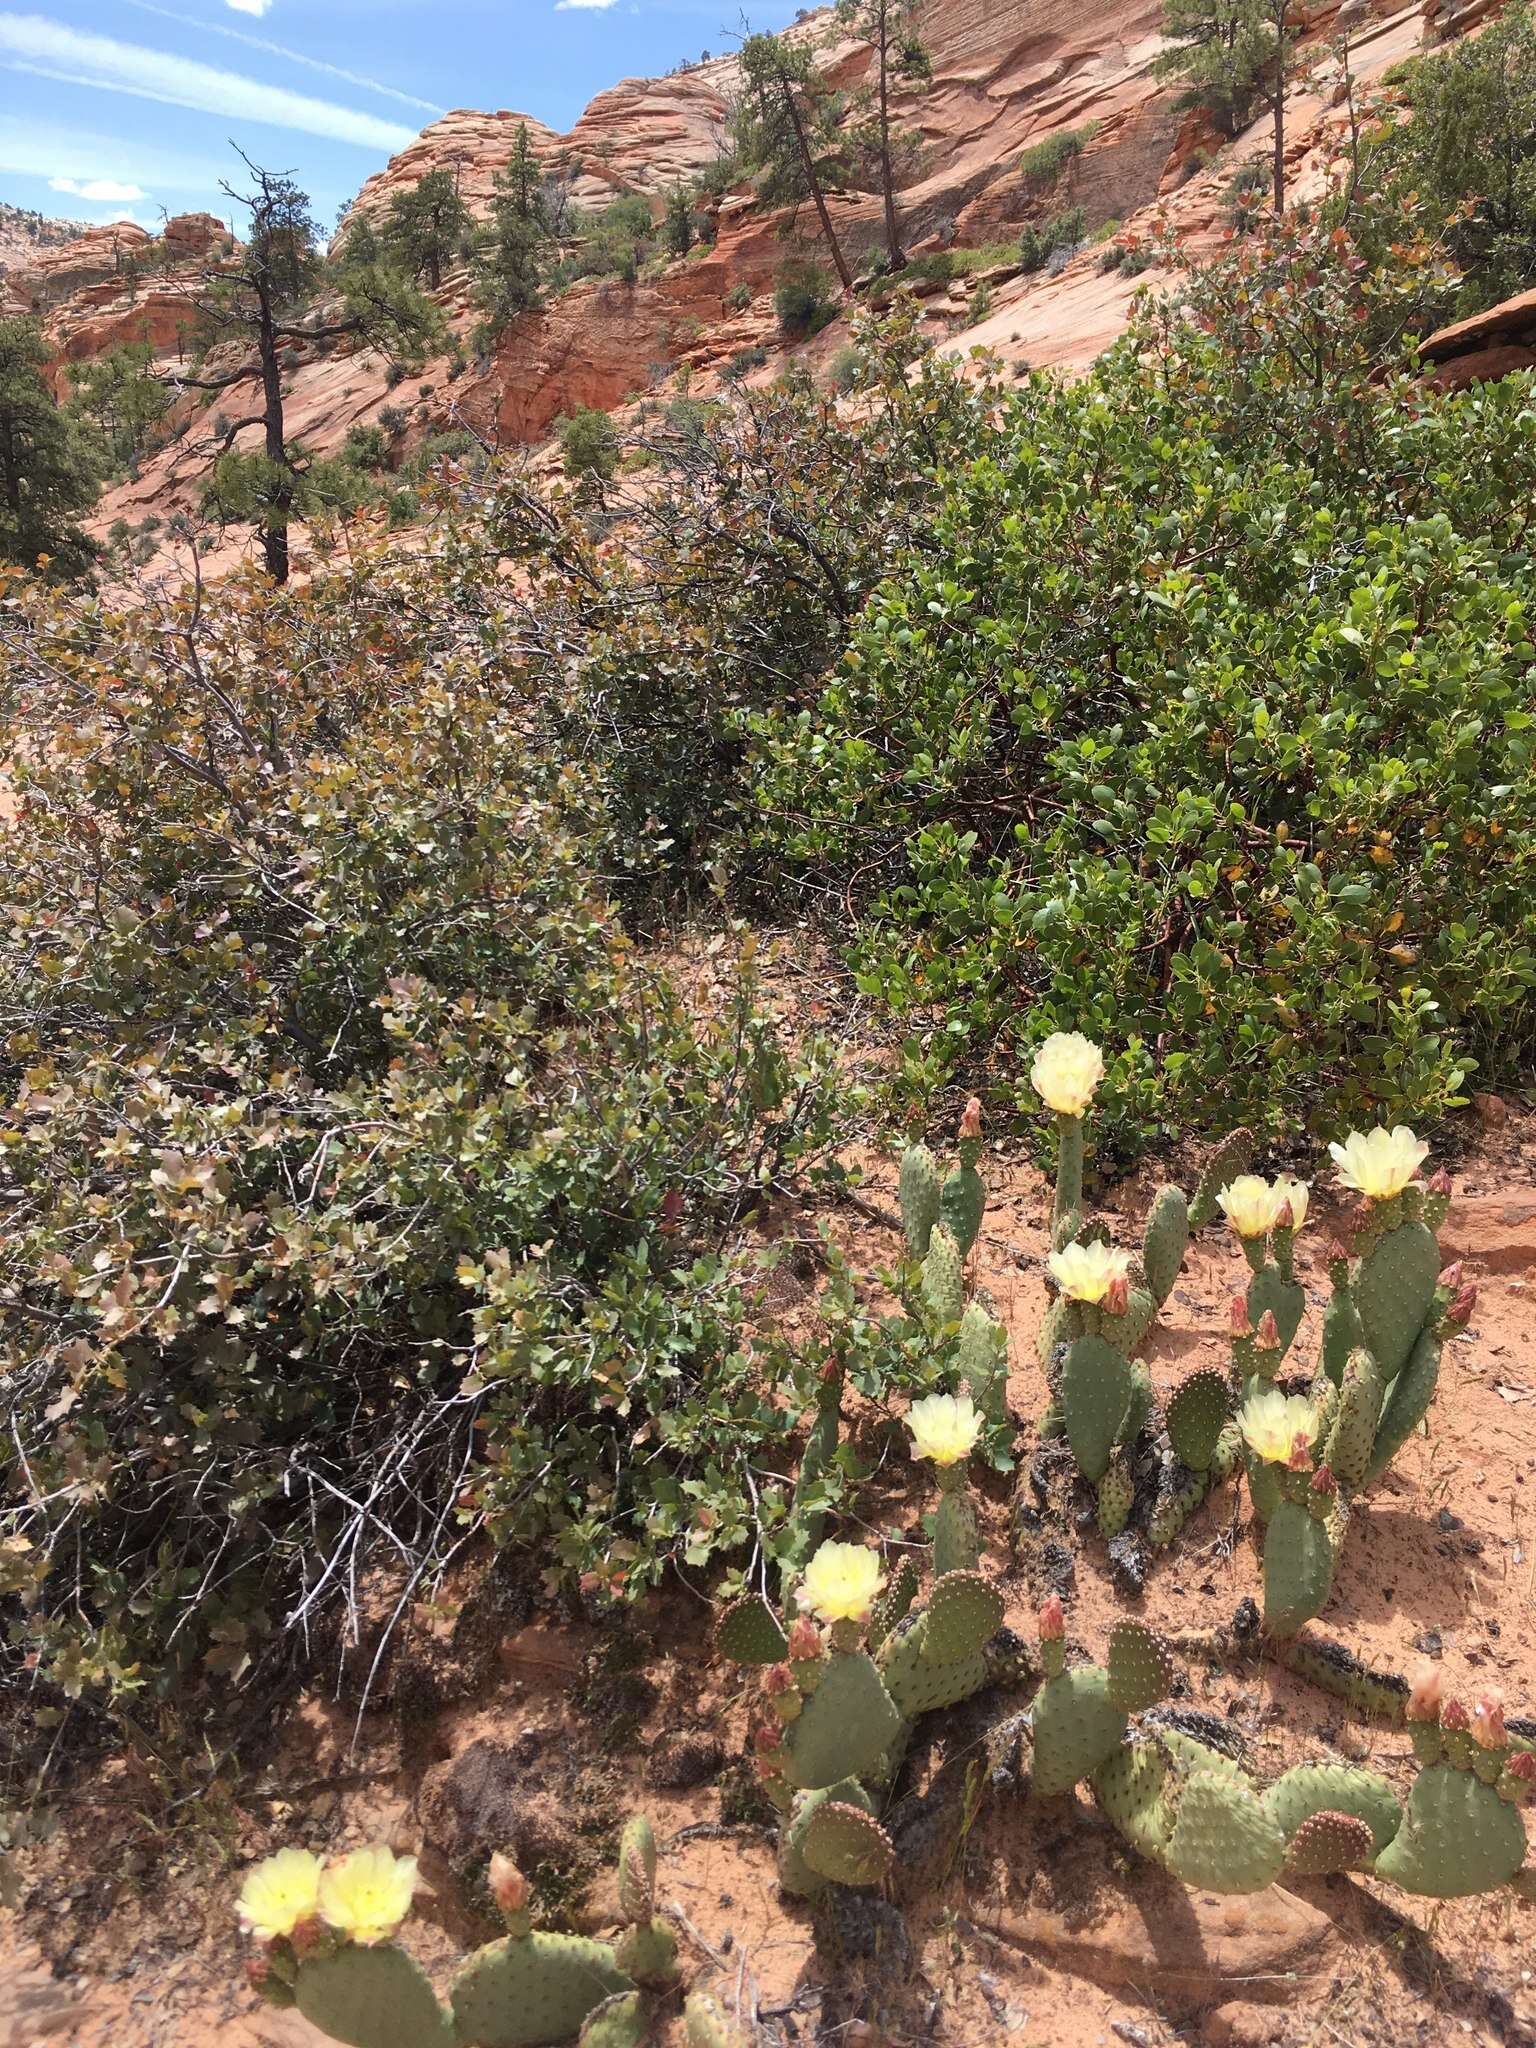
(1117, 1496)
(706, 2026)
(1407, 1403)
(749, 1633)
(374, 1998)
(1130, 1789)
(982, 1357)
(1329, 1842)
(1056, 1327)
(1341, 1333)
(637, 1869)
(892, 1604)
(1234, 1155)
(1286, 1301)
(1196, 1416)
(1457, 1837)
(1077, 1728)
(1141, 1667)
(846, 1725)
(619, 2022)
(963, 1610)
(648, 1953)
(532, 1989)
(1179, 1494)
(962, 1201)
(919, 1192)
(843, 1842)
(944, 1275)
(1352, 1442)
(1311, 1789)
(795, 1874)
(1223, 1841)
(1394, 1293)
(1096, 1389)
(1166, 1242)
(1298, 1569)
(919, 1683)
(956, 1543)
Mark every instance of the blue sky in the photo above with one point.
(119, 109)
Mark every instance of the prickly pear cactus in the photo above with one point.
(1222, 1840)
(705, 2024)
(376, 1998)
(1310, 1790)
(845, 1726)
(1458, 1837)
(1076, 1727)
(1393, 1293)
(619, 2022)
(1196, 1417)
(920, 1192)
(533, 1990)
(1233, 1156)
(1095, 1393)
(982, 1356)
(944, 1275)
(1141, 1667)
(1298, 1568)
(1165, 1243)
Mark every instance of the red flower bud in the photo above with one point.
(778, 1678)
(1323, 1480)
(970, 1121)
(1338, 1255)
(1117, 1298)
(1453, 1715)
(1488, 1721)
(1053, 1620)
(767, 1735)
(1241, 1326)
(804, 1640)
(1450, 1278)
(1440, 1182)
(257, 1971)
(508, 1886)
(1269, 1332)
(1522, 1765)
(1425, 1694)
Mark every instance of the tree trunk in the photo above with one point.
(793, 109)
(887, 177)
(1279, 171)
(274, 535)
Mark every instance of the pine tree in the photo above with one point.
(120, 396)
(677, 228)
(900, 58)
(46, 469)
(787, 132)
(509, 263)
(1235, 55)
(425, 228)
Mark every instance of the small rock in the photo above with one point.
(1242, 2026)
(1428, 1643)
(1128, 1563)
(1492, 1111)
(1446, 1522)
(680, 1762)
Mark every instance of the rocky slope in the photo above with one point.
(1007, 74)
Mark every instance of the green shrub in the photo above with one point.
(801, 300)
(1058, 236)
(745, 361)
(843, 370)
(1203, 723)
(589, 447)
(1044, 162)
(739, 297)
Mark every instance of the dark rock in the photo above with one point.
(1128, 1563)
(491, 1797)
(680, 1762)
(1428, 1643)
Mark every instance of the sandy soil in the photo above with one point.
(1026, 1925)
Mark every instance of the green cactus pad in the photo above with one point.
(1077, 1728)
(1166, 1241)
(1196, 1416)
(1068, 1200)
(1286, 1301)
(1234, 1155)
(1175, 1503)
(1407, 1403)
(1263, 1487)
(1130, 1789)
(1394, 1293)
(648, 1953)
(1458, 1837)
(1117, 1496)
(1223, 1841)
(1056, 1327)
(919, 1683)
(962, 1203)
(374, 1998)
(795, 1874)
(1298, 1569)
(944, 1275)
(1096, 1390)
(1067, 1228)
(843, 1842)
(705, 2024)
(1141, 1667)
(637, 1869)
(893, 1603)
(919, 1192)
(956, 1542)
(749, 1633)
(619, 2022)
(1311, 1789)
(1327, 1843)
(982, 1357)
(1341, 1333)
(531, 1990)
(963, 1610)
(1352, 1441)
(846, 1725)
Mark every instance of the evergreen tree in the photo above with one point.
(46, 469)
(900, 58)
(787, 132)
(266, 299)
(121, 397)
(1235, 55)
(677, 227)
(509, 265)
(426, 227)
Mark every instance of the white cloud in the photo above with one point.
(565, 6)
(49, 49)
(98, 188)
(236, 35)
(42, 149)
(256, 7)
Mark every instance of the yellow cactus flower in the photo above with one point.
(1067, 1070)
(1086, 1272)
(280, 1892)
(841, 1582)
(1249, 1204)
(944, 1427)
(368, 1893)
(1271, 1422)
(1379, 1163)
(1295, 1192)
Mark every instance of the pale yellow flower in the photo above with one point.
(1067, 1069)
(280, 1892)
(841, 1582)
(1086, 1272)
(1249, 1204)
(944, 1427)
(1271, 1422)
(368, 1893)
(1379, 1163)
(1295, 1192)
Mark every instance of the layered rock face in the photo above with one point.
(1007, 74)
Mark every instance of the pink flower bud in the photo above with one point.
(1426, 1691)
(1460, 1310)
(1488, 1721)
(257, 1971)
(768, 1768)
(1338, 1255)
(1241, 1326)
(970, 1121)
(1117, 1298)
(1450, 1278)
(1522, 1765)
(767, 1735)
(804, 1640)
(1323, 1480)
(508, 1886)
(1269, 1332)
(307, 1936)
(1053, 1620)
(1440, 1182)
(1285, 1218)
(778, 1678)
(1301, 1452)
(1453, 1715)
